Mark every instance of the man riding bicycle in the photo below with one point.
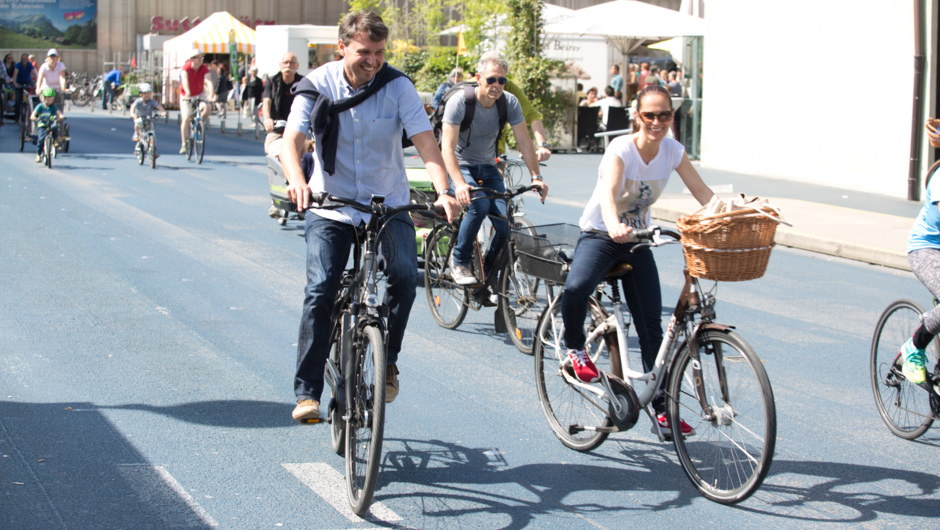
(193, 85)
(359, 155)
(45, 115)
(23, 80)
(470, 155)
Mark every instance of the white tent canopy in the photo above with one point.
(212, 35)
(628, 24)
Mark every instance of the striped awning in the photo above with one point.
(215, 32)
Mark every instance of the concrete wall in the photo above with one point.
(813, 91)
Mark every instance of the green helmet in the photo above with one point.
(48, 92)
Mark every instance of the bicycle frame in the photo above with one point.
(692, 300)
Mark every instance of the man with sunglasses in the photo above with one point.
(470, 159)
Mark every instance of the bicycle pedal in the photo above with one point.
(310, 420)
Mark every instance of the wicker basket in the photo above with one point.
(729, 247)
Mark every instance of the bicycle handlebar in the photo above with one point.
(489, 193)
(504, 158)
(650, 237)
(377, 206)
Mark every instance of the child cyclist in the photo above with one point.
(632, 175)
(45, 115)
(144, 108)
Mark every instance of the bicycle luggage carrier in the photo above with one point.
(546, 251)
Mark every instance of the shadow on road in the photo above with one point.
(447, 480)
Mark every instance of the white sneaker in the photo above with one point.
(463, 275)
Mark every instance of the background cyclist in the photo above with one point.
(193, 84)
(44, 115)
(470, 157)
(632, 175)
(144, 108)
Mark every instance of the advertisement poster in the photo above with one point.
(62, 24)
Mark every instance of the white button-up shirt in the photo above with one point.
(369, 158)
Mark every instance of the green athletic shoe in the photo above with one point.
(914, 361)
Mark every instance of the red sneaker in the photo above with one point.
(663, 422)
(583, 366)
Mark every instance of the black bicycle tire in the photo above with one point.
(200, 142)
(190, 142)
(22, 134)
(879, 371)
(437, 280)
(67, 141)
(337, 424)
(47, 150)
(152, 151)
(360, 487)
(139, 152)
(551, 400)
(522, 336)
(719, 441)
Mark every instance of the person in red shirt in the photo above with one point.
(194, 84)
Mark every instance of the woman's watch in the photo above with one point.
(537, 177)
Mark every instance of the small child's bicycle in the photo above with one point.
(146, 146)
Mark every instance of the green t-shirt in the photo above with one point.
(529, 112)
(46, 114)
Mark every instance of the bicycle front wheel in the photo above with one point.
(523, 298)
(729, 454)
(47, 149)
(139, 151)
(152, 151)
(366, 423)
(573, 413)
(904, 407)
(200, 145)
(447, 300)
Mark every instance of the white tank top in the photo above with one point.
(640, 185)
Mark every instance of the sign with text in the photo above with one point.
(62, 24)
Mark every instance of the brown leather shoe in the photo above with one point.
(391, 383)
(306, 409)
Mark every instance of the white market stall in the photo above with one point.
(313, 46)
(212, 35)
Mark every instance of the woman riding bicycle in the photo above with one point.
(923, 254)
(632, 175)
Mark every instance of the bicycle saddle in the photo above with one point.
(619, 271)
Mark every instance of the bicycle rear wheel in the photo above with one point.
(731, 450)
(572, 412)
(200, 141)
(903, 406)
(366, 423)
(448, 301)
(523, 298)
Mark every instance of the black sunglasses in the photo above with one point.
(663, 116)
(500, 80)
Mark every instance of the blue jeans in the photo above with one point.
(107, 95)
(485, 176)
(41, 133)
(594, 256)
(328, 250)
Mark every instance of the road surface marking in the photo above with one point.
(330, 485)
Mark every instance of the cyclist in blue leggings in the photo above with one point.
(631, 177)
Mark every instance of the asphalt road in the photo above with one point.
(148, 321)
